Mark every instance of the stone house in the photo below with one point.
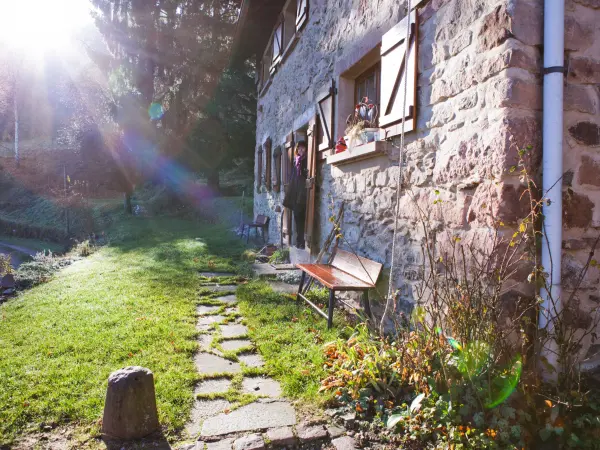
(474, 80)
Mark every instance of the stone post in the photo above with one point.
(130, 408)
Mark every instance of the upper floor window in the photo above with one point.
(367, 87)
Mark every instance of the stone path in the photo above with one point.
(237, 406)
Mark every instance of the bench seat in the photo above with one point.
(334, 278)
(347, 272)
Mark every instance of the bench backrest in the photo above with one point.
(261, 220)
(362, 268)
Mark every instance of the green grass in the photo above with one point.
(290, 337)
(132, 303)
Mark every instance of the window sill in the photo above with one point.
(369, 150)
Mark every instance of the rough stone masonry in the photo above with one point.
(479, 99)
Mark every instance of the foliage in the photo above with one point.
(40, 270)
(463, 371)
(280, 256)
(5, 264)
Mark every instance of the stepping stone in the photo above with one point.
(229, 299)
(204, 322)
(206, 309)
(281, 437)
(222, 287)
(250, 442)
(216, 386)
(224, 444)
(216, 274)
(233, 331)
(255, 416)
(344, 443)
(335, 432)
(203, 409)
(232, 310)
(308, 433)
(261, 386)
(235, 344)
(209, 364)
(204, 341)
(252, 360)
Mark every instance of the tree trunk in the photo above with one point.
(127, 203)
(16, 111)
(213, 180)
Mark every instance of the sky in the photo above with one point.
(33, 27)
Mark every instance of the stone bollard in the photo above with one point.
(130, 408)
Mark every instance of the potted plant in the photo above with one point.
(362, 124)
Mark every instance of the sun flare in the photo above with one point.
(35, 26)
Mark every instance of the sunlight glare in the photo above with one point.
(35, 26)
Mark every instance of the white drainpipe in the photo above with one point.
(554, 32)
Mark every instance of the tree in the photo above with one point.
(173, 53)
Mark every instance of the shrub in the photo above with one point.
(5, 264)
(463, 371)
(39, 270)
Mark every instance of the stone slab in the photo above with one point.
(223, 444)
(281, 437)
(232, 310)
(206, 309)
(233, 331)
(344, 443)
(204, 341)
(205, 321)
(335, 432)
(221, 287)
(307, 433)
(261, 386)
(203, 409)
(252, 360)
(218, 385)
(255, 416)
(235, 344)
(216, 274)
(208, 364)
(264, 270)
(250, 442)
(229, 299)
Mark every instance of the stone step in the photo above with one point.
(255, 416)
(261, 386)
(209, 364)
(231, 331)
(235, 344)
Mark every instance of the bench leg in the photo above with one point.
(302, 279)
(331, 305)
(367, 304)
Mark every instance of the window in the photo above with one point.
(301, 14)
(259, 169)
(277, 46)
(289, 23)
(368, 85)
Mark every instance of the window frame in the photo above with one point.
(374, 70)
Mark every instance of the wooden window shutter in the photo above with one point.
(396, 55)
(325, 108)
(311, 194)
(259, 169)
(301, 14)
(277, 46)
(277, 169)
(267, 148)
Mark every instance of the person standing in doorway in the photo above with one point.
(295, 193)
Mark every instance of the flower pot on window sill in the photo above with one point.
(370, 135)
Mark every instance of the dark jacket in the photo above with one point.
(295, 191)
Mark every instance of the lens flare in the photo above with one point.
(473, 358)
(156, 111)
(454, 344)
(504, 385)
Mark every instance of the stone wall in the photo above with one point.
(479, 101)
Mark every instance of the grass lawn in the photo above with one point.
(290, 336)
(132, 303)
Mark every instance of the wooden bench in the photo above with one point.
(261, 222)
(347, 272)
